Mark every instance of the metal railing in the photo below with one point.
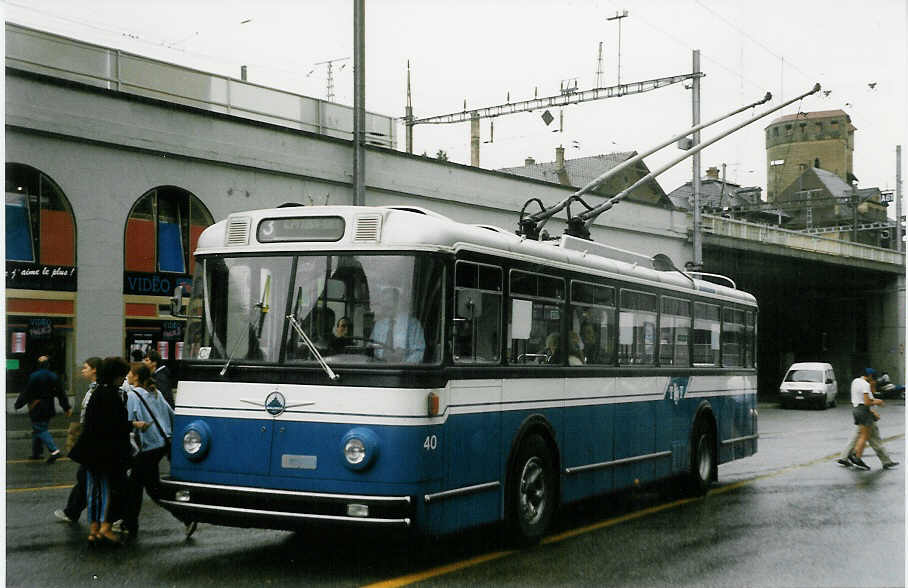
(70, 59)
(735, 229)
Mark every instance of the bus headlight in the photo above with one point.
(354, 451)
(360, 448)
(196, 440)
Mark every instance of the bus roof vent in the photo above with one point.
(237, 231)
(367, 228)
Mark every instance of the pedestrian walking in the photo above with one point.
(873, 437)
(75, 504)
(103, 448)
(161, 375)
(150, 417)
(861, 401)
(42, 387)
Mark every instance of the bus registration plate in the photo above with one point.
(299, 462)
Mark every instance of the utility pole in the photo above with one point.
(359, 102)
(619, 16)
(695, 182)
(898, 197)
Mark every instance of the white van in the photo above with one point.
(808, 384)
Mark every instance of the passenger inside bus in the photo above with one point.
(574, 355)
(343, 336)
(552, 349)
(399, 335)
(591, 349)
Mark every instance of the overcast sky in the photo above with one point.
(482, 51)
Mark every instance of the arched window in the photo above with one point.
(40, 231)
(163, 229)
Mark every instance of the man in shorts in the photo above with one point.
(861, 401)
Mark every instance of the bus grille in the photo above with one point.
(237, 231)
(368, 228)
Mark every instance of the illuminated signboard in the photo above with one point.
(307, 228)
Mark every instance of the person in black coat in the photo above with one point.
(103, 447)
(161, 375)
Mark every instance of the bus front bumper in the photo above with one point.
(267, 508)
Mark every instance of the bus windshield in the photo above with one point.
(353, 309)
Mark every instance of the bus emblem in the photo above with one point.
(275, 403)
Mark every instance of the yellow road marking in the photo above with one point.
(479, 559)
(439, 571)
(37, 488)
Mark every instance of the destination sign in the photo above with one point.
(306, 228)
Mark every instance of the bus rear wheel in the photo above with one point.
(702, 458)
(531, 496)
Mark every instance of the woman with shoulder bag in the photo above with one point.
(150, 417)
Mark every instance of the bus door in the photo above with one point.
(473, 442)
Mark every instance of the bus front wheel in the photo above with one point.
(702, 458)
(531, 491)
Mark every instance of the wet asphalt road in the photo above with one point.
(788, 516)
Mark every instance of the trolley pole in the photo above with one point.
(695, 183)
(359, 101)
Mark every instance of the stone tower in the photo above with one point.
(796, 142)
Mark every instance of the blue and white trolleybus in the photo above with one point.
(390, 367)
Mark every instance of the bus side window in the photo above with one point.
(732, 337)
(593, 309)
(706, 334)
(477, 315)
(674, 339)
(535, 325)
(637, 328)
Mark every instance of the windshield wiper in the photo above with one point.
(263, 309)
(318, 356)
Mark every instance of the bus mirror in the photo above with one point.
(176, 301)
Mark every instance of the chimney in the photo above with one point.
(529, 161)
(559, 167)
(712, 173)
